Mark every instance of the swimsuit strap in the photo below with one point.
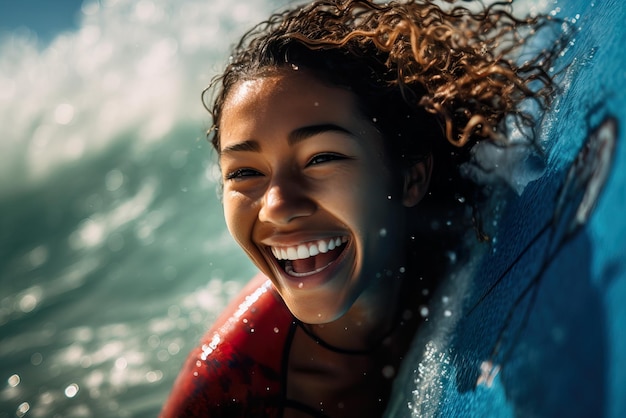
(329, 346)
(347, 351)
(286, 402)
(299, 406)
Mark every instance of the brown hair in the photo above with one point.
(421, 72)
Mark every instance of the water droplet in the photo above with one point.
(173, 349)
(14, 380)
(300, 285)
(28, 302)
(424, 311)
(402, 270)
(71, 390)
(383, 232)
(121, 363)
(447, 313)
(22, 409)
(388, 371)
(63, 114)
(276, 330)
(154, 376)
(36, 359)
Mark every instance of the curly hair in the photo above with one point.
(423, 73)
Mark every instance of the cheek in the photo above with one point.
(236, 218)
(380, 213)
(364, 204)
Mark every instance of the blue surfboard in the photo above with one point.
(535, 324)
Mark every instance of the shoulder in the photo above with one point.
(237, 366)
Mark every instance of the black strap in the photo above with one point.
(299, 406)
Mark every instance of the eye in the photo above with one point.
(324, 158)
(241, 174)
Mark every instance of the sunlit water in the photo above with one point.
(114, 258)
(114, 254)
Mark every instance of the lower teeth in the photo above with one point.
(287, 265)
(290, 271)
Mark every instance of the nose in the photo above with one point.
(285, 201)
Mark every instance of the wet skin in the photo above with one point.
(303, 167)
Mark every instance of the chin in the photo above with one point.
(321, 305)
(317, 316)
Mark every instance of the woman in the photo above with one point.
(339, 128)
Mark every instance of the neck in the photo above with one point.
(373, 317)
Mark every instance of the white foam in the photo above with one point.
(131, 69)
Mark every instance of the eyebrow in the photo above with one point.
(306, 132)
(294, 137)
(249, 145)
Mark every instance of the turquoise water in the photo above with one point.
(114, 258)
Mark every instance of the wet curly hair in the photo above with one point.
(434, 78)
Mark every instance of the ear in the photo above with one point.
(416, 181)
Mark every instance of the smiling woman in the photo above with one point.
(329, 185)
(340, 127)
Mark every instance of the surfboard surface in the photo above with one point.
(535, 324)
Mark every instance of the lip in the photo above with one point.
(314, 280)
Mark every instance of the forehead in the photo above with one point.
(285, 81)
(285, 101)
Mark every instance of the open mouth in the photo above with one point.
(309, 258)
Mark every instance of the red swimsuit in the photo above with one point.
(239, 369)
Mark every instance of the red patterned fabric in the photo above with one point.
(239, 368)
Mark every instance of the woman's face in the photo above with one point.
(308, 193)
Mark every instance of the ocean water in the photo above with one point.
(114, 257)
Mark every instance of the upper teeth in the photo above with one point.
(308, 249)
